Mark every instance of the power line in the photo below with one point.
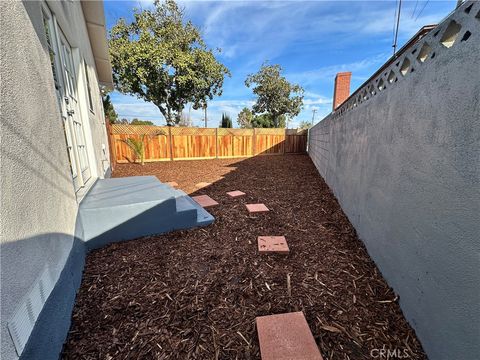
(414, 9)
(394, 19)
(397, 27)
(423, 8)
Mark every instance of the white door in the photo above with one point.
(64, 74)
(74, 120)
(60, 88)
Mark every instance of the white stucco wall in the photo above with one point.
(404, 163)
(38, 202)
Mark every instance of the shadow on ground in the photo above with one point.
(195, 294)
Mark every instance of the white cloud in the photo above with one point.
(317, 101)
(251, 32)
(130, 107)
(328, 72)
(262, 30)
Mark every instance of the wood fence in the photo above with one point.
(163, 143)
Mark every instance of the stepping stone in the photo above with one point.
(254, 208)
(204, 200)
(172, 183)
(286, 336)
(202, 184)
(235, 193)
(272, 244)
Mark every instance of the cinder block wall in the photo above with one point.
(403, 159)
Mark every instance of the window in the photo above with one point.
(89, 89)
(68, 69)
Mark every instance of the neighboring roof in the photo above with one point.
(95, 20)
(415, 38)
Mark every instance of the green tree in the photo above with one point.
(266, 121)
(138, 147)
(245, 118)
(304, 125)
(108, 109)
(226, 121)
(161, 58)
(136, 121)
(275, 95)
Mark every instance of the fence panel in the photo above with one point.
(234, 142)
(269, 141)
(296, 141)
(193, 143)
(181, 143)
(155, 139)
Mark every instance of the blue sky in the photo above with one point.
(311, 40)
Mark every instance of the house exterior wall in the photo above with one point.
(404, 163)
(39, 251)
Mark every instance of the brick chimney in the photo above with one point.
(342, 88)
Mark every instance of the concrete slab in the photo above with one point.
(272, 245)
(202, 184)
(127, 208)
(286, 337)
(255, 208)
(235, 193)
(204, 200)
(107, 193)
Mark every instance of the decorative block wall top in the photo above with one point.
(456, 29)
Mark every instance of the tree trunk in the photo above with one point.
(169, 116)
(206, 120)
(163, 112)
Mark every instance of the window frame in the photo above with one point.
(88, 88)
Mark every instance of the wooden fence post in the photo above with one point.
(216, 143)
(170, 142)
(111, 144)
(285, 141)
(254, 143)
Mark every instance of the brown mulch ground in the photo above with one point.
(195, 294)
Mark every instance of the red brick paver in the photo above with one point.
(254, 208)
(272, 244)
(286, 336)
(235, 193)
(204, 200)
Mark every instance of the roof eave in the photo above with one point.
(95, 20)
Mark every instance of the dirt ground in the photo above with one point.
(195, 294)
